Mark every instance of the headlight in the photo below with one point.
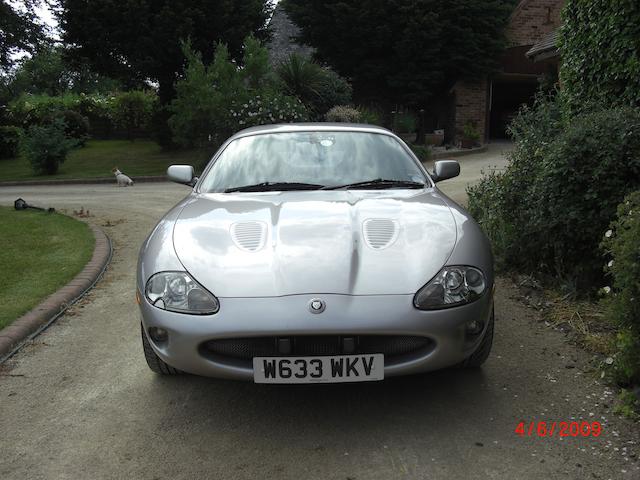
(178, 292)
(451, 287)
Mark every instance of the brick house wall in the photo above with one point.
(529, 23)
(532, 20)
(471, 106)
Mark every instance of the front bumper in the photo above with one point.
(289, 316)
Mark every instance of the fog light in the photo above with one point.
(158, 335)
(475, 327)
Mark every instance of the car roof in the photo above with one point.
(312, 127)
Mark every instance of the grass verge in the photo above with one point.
(98, 157)
(39, 253)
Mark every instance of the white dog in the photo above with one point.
(121, 178)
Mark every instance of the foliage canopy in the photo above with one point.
(19, 30)
(48, 72)
(403, 51)
(140, 39)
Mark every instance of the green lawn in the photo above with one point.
(98, 157)
(39, 253)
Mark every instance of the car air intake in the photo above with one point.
(392, 346)
(249, 236)
(380, 233)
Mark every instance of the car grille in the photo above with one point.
(309, 345)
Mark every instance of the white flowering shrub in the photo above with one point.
(622, 299)
(267, 109)
(343, 113)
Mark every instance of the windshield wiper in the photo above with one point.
(270, 186)
(379, 183)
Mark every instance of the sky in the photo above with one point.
(46, 16)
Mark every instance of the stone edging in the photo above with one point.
(40, 317)
(458, 153)
(83, 181)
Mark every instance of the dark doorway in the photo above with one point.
(507, 96)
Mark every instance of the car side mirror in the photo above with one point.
(183, 174)
(444, 169)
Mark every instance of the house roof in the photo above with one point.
(283, 37)
(545, 48)
(519, 7)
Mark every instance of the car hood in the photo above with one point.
(340, 242)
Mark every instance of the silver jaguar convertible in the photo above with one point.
(310, 253)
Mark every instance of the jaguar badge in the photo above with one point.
(316, 305)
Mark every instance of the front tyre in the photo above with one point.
(477, 358)
(156, 364)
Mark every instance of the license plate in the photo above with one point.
(334, 369)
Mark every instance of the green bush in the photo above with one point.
(127, 110)
(46, 147)
(9, 141)
(546, 212)
(370, 115)
(75, 126)
(422, 152)
(600, 54)
(319, 88)
(500, 200)
(334, 90)
(405, 122)
(622, 299)
(470, 132)
(29, 109)
(132, 110)
(98, 106)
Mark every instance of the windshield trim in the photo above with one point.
(429, 183)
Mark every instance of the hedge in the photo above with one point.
(600, 47)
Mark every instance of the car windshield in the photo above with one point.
(311, 160)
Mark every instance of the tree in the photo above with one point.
(19, 31)
(46, 72)
(403, 51)
(43, 72)
(139, 40)
(215, 100)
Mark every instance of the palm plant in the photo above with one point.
(301, 77)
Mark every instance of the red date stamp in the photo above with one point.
(559, 429)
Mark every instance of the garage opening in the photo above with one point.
(507, 97)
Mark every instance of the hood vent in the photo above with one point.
(249, 236)
(380, 233)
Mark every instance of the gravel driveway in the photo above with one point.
(80, 402)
